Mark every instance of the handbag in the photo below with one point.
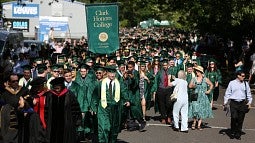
(173, 96)
(246, 109)
(194, 96)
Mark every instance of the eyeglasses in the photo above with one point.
(56, 71)
(13, 81)
(98, 72)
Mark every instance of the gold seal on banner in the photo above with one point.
(103, 37)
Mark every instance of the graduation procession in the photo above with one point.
(76, 95)
(121, 85)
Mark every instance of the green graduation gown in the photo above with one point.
(109, 118)
(148, 86)
(84, 99)
(214, 76)
(134, 95)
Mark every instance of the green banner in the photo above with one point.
(102, 28)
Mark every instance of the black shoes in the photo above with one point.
(237, 136)
(185, 131)
(142, 126)
(176, 129)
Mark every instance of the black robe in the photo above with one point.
(11, 98)
(30, 129)
(63, 116)
(9, 124)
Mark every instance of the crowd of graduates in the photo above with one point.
(67, 94)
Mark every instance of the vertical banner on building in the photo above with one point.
(102, 28)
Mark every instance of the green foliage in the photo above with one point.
(225, 17)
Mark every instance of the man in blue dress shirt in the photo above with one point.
(239, 94)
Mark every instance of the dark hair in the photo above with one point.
(239, 72)
(12, 74)
(67, 71)
(131, 63)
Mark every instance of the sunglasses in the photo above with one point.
(242, 75)
(13, 81)
(98, 72)
(56, 71)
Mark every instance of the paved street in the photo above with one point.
(215, 131)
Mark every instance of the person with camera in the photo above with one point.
(238, 94)
(132, 82)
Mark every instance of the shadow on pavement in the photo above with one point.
(121, 141)
(156, 118)
(228, 133)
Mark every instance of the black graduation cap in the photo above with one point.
(26, 67)
(41, 68)
(142, 63)
(75, 58)
(171, 58)
(212, 60)
(156, 58)
(58, 81)
(62, 57)
(61, 65)
(112, 57)
(84, 66)
(87, 59)
(110, 68)
(189, 65)
(98, 67)
(165, 60)
(133, 56)
(38, 81)
(38, 59)
(121, 62)
(54, 67)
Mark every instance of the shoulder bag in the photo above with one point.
(173, 96)
(246, 100)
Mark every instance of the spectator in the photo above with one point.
(238, 91)
(181, 105)
(201, 108)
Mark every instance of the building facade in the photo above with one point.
(36, 17)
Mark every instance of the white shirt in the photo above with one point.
(108, 83)
(182, 90)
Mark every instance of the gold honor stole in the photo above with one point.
(103, 92)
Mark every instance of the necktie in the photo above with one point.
(165, 78)
(110, 89)
(68, 85)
